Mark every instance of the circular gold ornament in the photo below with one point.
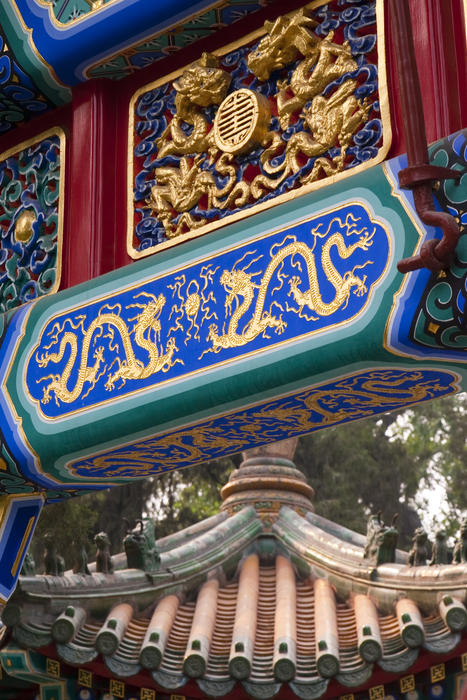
(23, 227)
(242, 121)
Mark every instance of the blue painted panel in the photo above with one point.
(360, 395)
(300, 280)
(110, 29)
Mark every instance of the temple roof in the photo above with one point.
(264, 594)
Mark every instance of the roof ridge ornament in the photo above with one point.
(267, 479)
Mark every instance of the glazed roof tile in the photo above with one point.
(267, 624)
(263, 597)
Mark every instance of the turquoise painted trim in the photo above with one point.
(31, 666)
(296, 282)
(14, 440)
(428, 316)
(225, 380)
(235, 234)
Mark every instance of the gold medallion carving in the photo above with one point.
(242, 121)
(24, 226)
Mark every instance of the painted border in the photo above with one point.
(293, 194)
(110, 5)
(8, 536)
(29, 32)
(152, 37)
(47, 4)
(414, 283)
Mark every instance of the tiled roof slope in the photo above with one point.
(268, 595)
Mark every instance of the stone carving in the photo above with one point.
(381, 540)
(440, 553)
(80, 565)
(54, 564)
(29, 565)
(419, 552)
(460, 550)
(104, 562)
(140, 546)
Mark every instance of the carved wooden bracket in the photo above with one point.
(420, 176)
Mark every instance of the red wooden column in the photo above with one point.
(91, 219)
(440, 47)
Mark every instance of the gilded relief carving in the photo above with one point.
(241, 289)
(243, 121)
(146, 331)
(309, 277)
(201, 85)
(285, 112)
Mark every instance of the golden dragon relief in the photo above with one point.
(105, 325)
(318, 115)
(345, 399)
(318, 273)
(239, 284)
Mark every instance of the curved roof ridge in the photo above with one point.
(344, 564)
(164, 544)
(224, 542)
(349, 536)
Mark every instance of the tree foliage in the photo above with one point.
(183, 498)
(357, 469)
(72, 522)
(435, 436)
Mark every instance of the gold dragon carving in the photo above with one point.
(74, 343)
(238, 283)
(328, 121)
(147, 323)
(115, 347)
(201, 85)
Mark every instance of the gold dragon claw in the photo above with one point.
(361, 288)
(43, 360)
(99, 353)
